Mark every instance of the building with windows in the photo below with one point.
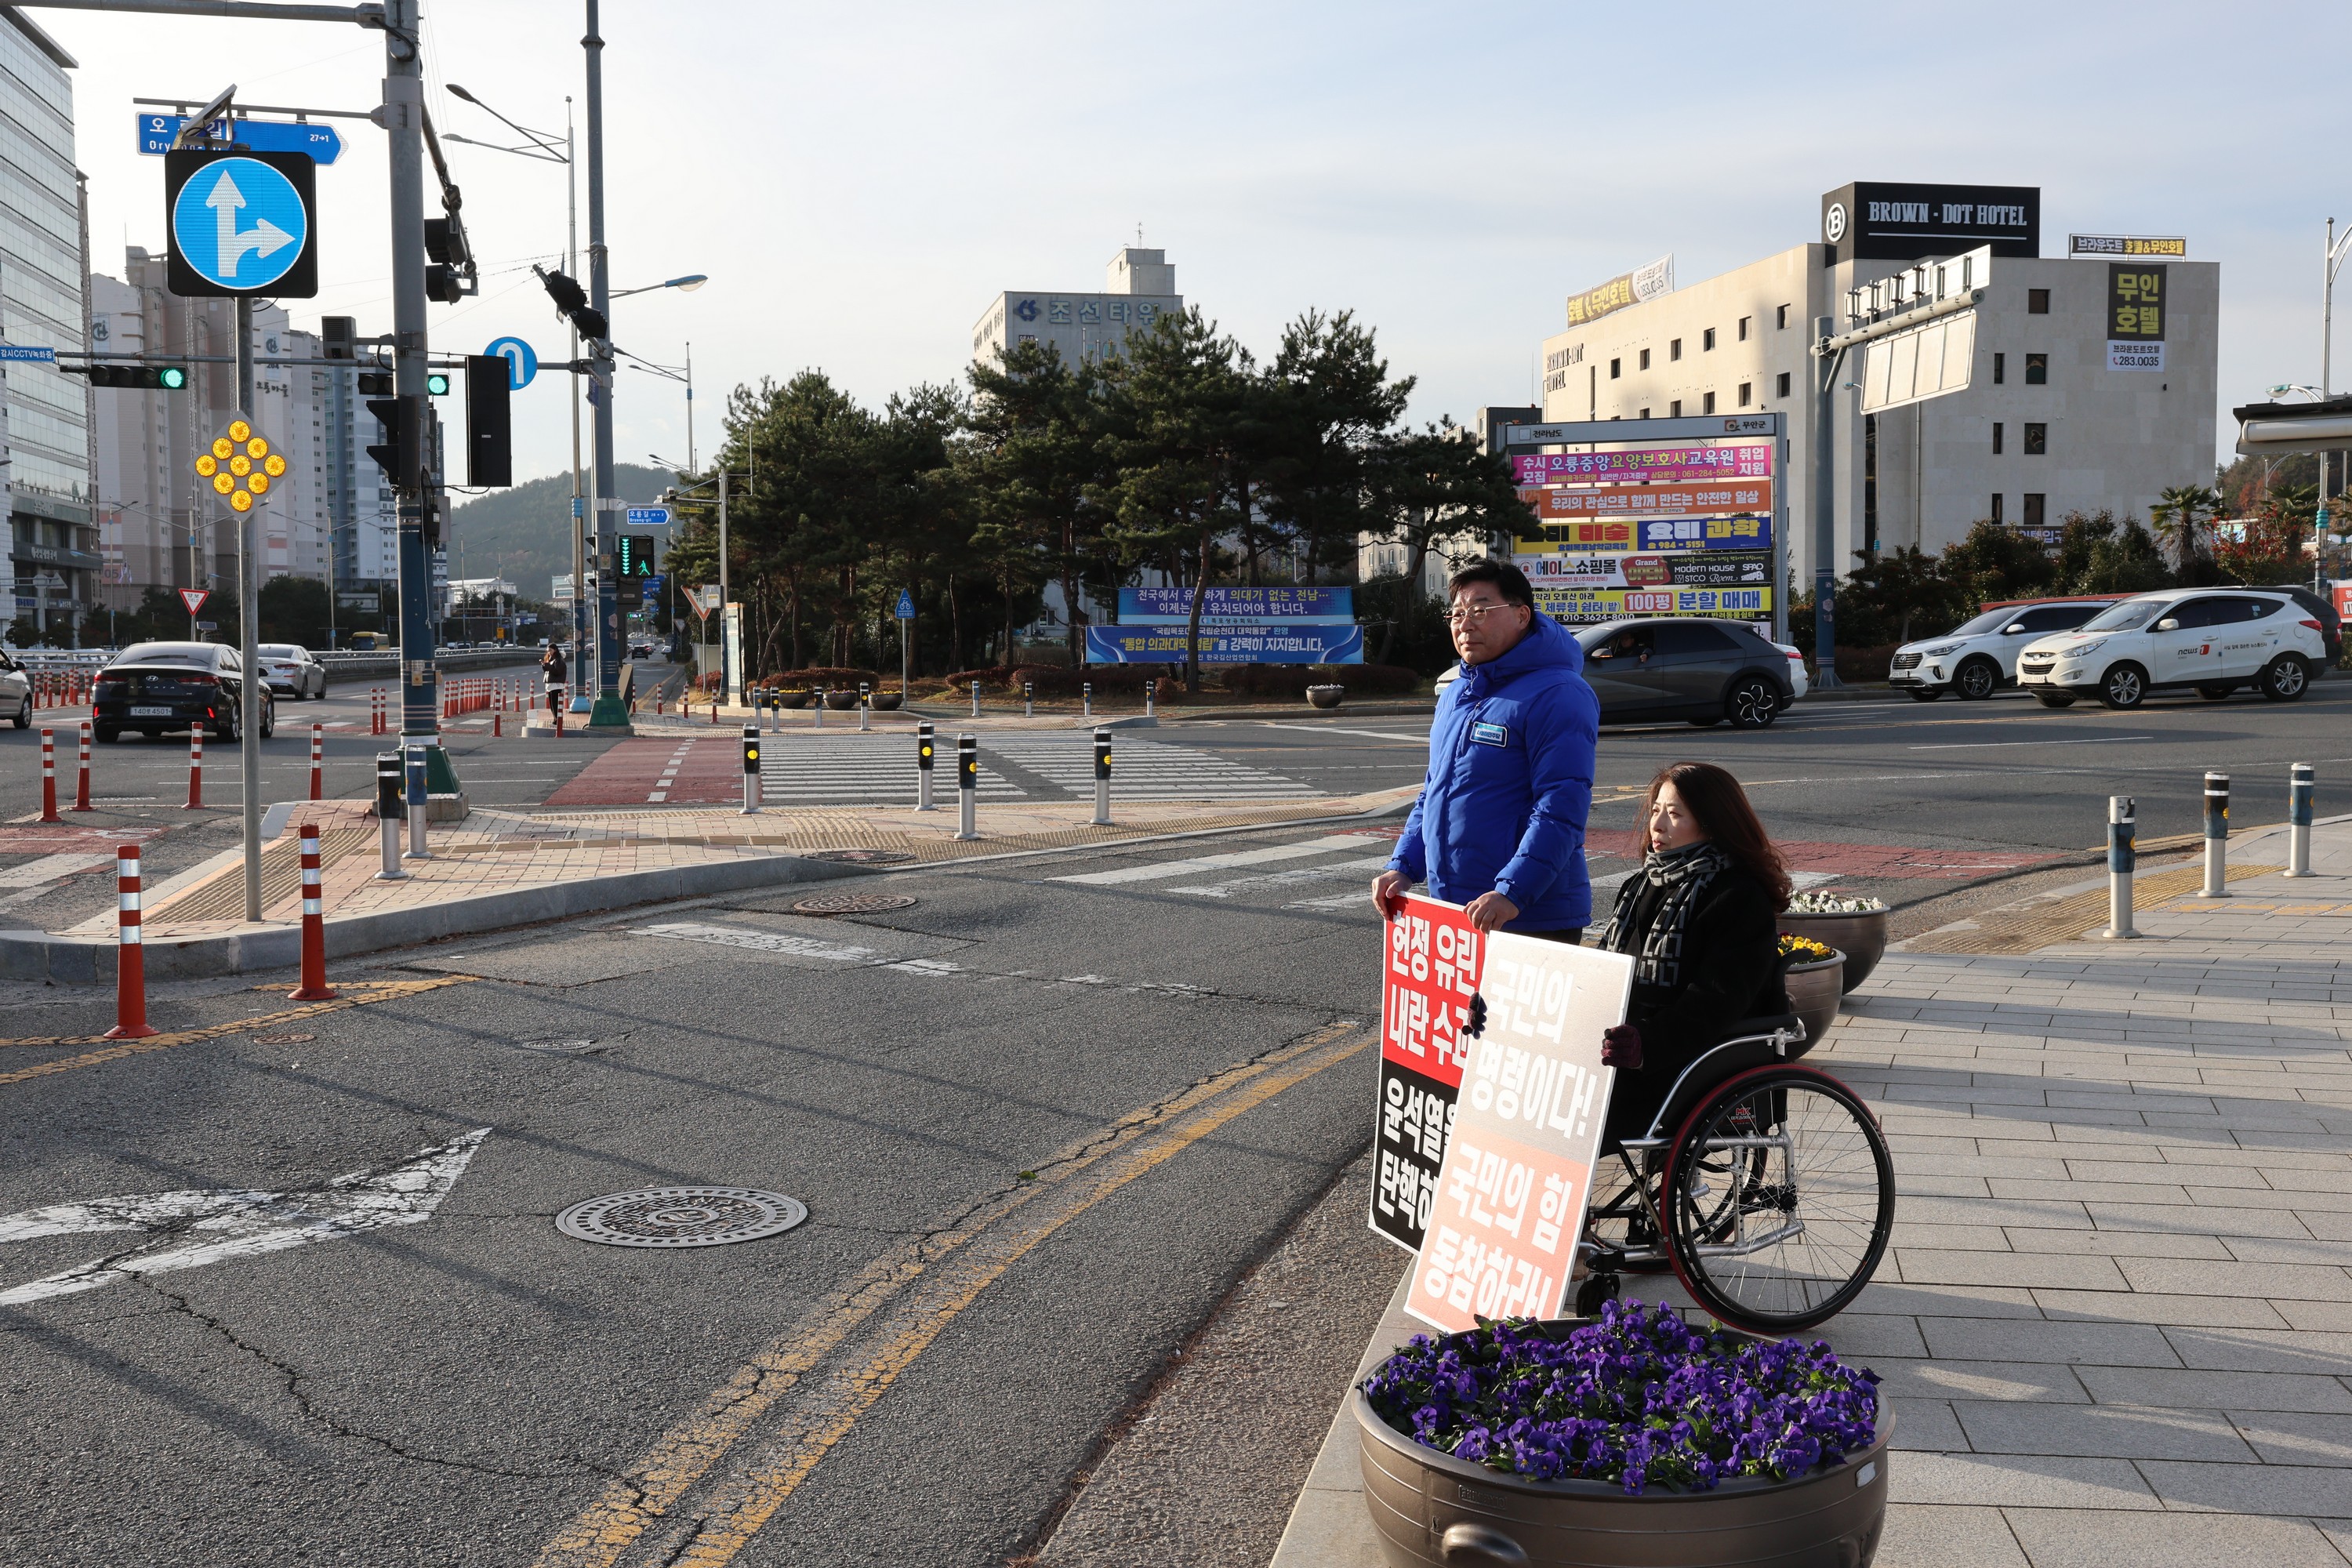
(2075, 399)
(1139, 288)
(54, 557)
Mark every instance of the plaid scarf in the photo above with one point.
(1685, 874)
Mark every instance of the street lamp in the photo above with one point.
(676, 372)
(686, 285)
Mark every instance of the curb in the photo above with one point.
(39, 955)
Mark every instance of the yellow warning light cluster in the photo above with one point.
(241, 466)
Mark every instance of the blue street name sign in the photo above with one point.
(157, 132)
(25, 355)
(522, 361)
(906, 605)
(653, 584)
(649, 516)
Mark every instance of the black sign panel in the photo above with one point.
(2136, 302)
(241, 223)
(1877, 220)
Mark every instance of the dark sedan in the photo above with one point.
(157, 687)
(1705, 671)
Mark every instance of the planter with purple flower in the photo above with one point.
(1634, 1439)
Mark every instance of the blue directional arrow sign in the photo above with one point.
(522, 360)
(648, 516)
(906, 605)
(324, 145)
(239, 224)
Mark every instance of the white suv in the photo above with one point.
(2215, 640)
(1980, 657)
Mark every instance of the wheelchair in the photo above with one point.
(1764, 1184)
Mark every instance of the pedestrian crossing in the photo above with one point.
(879, 770)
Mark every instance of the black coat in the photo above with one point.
(1730, 972)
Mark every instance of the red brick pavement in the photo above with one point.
(682, 771)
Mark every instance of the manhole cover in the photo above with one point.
(852, 903)
(283, 1039)
(681, 1216)
(863, 857)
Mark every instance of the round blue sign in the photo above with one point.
(522, 364)
(241, 224)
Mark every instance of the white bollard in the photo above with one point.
(2302, 786)
(2217, 836)
(2123, 822)
(968, 786)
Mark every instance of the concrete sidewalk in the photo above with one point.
(2117, 1315)
(501, 869)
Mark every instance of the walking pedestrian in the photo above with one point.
(1499, 826)
(552, 667)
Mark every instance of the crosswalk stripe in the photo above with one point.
(1163, 870)
(1296, 875)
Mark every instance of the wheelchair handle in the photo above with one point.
(1781, 1037)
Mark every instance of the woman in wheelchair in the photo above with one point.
(1765, 1184)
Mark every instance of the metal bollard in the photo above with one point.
(417, 804)
(923, 749)
(968, 786)
(750, 771)
(865, 705)
(1102, 778)
(2217, 836)
(819, 722)
(1028, 699)
(1086, 698)
(1151, 696)
(2123, 822)
(2302, 786)
(975, 698)
(387, 810)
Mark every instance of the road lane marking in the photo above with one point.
(1989, 745)
(1320, 729)
(223, 1225)
(757, 940)
(928, 1270)
(1160, 870)
(1285, 879)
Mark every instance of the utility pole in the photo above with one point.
(1825, 510)
(608, 717)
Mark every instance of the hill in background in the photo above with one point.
(524, 534)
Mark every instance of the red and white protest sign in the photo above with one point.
(1429, 974)
(1517, 1175)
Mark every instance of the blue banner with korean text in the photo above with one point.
(1257, 643)
(1148, 605)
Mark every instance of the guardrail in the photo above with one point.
(340, 664)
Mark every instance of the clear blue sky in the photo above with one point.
(858, 181)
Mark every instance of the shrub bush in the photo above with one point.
(824, 674)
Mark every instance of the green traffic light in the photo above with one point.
(437, 384)
(172, 378)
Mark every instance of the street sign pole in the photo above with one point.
(905, 618)
(608, 717)
(248, 656)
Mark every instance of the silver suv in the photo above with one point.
(1980, 657)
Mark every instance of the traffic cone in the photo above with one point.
(81, 787)
(314, 986)
(50, 775)
(130, 953)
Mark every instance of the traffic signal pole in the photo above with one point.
(609, 717)
(248, 614)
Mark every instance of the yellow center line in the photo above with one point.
(113, 1050)
(1141, 1143)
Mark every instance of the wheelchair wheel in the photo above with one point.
(1778, 1199)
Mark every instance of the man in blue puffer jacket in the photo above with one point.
(1499, 826)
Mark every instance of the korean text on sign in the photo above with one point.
(1430, 974)
(1518, 1168)
(1659, 465)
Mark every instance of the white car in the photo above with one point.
(2208, 639)
(1978, 658)
(289, 667)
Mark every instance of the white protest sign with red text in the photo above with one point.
(1517, 1175)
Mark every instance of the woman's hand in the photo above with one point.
(1489, 911)
(1621, 1048)
(1389, 891)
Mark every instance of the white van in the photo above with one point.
(2213, 640)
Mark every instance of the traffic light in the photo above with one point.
(375, 383)
(401, 455)
(437, 384)
(452, 257)
(637, 556)
(572, 303)
(337, 335)
(489, 430)
(138, 377)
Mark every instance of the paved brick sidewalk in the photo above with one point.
(2117, 1319)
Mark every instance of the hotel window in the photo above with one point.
(1996, 438)
(1675, 349)
(1674, 409)
(1707, 403)
(1743, 327)
(2037, 440)
(1616, 368)
(2037, 301)
(1744, 388)
(1646, 359)
(1706, 341)
(1780, 320)
(1645, 414)
(1781, 386)
(1999, 369)
(1996, 505)
(2037, 370)
(2037, 510)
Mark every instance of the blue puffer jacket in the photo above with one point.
(1510, 785)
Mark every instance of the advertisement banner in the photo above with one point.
(1427, 980)
(1148, 607)
(1686, 569)
(1517, 1175)
(1650, 501)
(1678, 534)
(2126, 245)
(1254, 643)
(1624, 289)
(1590, 607)
(2137, 309)
(1657, 464)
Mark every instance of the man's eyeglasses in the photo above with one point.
(1461, 613)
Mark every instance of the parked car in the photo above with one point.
(2211, 641)
(1978, 658)
(15, 691)
(2331, 625)
(156, 687)
(1705, 671)
(289, 667)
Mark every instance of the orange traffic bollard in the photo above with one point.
(50, 775)
(196, 768)
(130, 953)
(81, 786)
(314, 986)
(318, 762)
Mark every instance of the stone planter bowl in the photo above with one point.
(1862, 938)
(846, 700)
(1430, 1510)
(792, 698)
(1814, 992)
(1325, 696)
(887, 701)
